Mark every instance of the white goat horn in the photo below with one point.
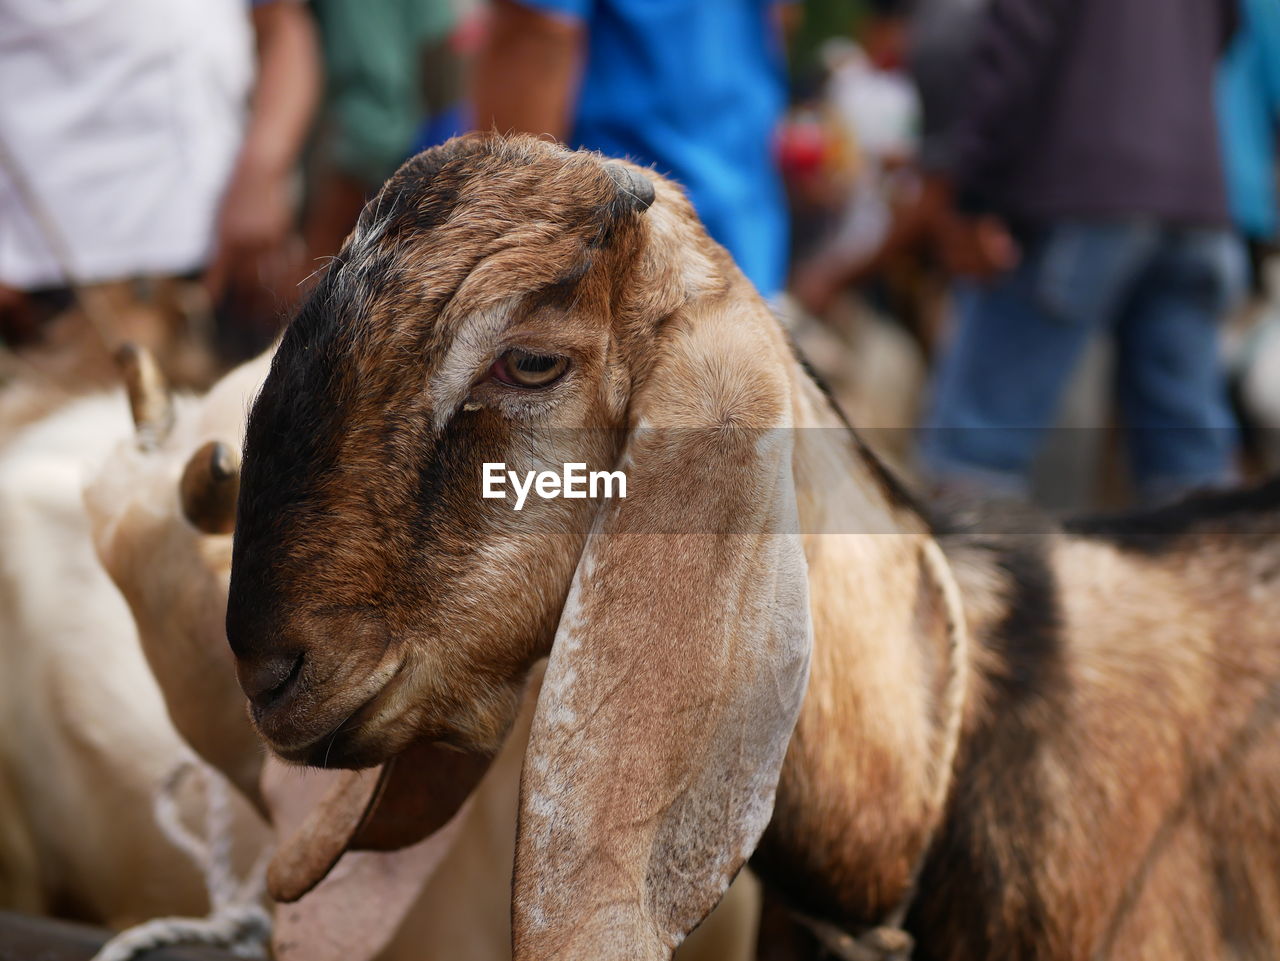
(209, 488)
(149, 398)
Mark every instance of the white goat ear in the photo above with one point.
(680, 662)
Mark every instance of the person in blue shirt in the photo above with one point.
(692, 87)
(1249, 111)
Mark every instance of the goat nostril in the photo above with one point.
(265, 680)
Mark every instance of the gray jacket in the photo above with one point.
(942, 37)
(1088, 108)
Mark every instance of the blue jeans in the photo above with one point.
(1160, 291)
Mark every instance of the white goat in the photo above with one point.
(85, 742)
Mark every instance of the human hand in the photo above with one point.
(816, 285)
(255, 223)
(980, 247)
(977, 247)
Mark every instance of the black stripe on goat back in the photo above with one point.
(968, 872)
(1250, 510)
(893, 488)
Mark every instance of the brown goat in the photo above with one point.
(1117, 784)
(161, 509)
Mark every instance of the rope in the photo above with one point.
(236, 921)
(888, 941)
(958, 655)
(884, 943)
(100, 317)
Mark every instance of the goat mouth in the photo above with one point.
(348, 743)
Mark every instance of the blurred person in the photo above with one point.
(142, 156)
(256, 214)
(940, 40)
(1249, 108)
(1082, 192)
(869, 113)
(878, 112)
(694, 87)
(390, 68)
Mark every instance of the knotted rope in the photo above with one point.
(237, 920)
(888, 941)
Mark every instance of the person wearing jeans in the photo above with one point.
(1158, 290)
(1086, 197)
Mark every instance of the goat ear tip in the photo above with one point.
(209, 487)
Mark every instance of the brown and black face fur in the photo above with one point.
(373, 592)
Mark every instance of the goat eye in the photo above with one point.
(523, 369)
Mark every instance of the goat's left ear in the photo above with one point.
(680, 661)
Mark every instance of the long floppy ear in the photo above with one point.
(680, 661)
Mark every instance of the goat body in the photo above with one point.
(1117, 780)
(1114, 795)
(86, 743)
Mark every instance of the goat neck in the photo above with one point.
(856, 802)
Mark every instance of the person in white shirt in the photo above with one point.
(138, 145)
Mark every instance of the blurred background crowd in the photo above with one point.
(1028, 243)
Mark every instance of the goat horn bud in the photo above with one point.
(209, 488)
(149, 398)
(635, 190)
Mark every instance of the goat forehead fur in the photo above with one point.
(457, 232)
(484, 227)
(458, 229)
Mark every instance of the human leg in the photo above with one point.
(998, 387)
(1172, 390)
